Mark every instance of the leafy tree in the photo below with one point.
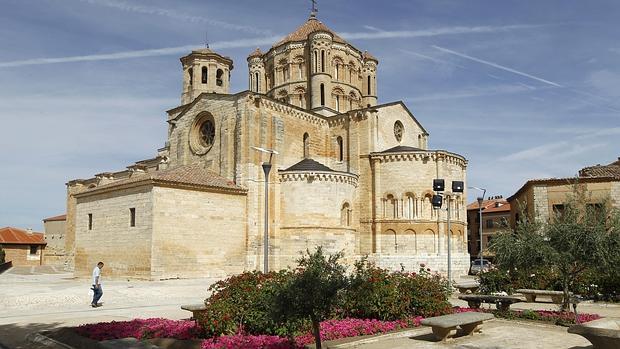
(312, 292)
(2, 255)
(582, 237)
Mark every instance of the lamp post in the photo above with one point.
(437, 200)
(480, 200)
(266, 169)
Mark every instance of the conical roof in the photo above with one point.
(368, 57)
(256, 53)
(312, 25)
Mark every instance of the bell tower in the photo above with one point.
(205, 71)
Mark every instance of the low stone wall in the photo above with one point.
(437, 263)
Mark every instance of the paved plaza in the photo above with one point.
(34, 299)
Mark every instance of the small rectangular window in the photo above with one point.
(558, 210)
(34, 249)
(489, 223)
(90, 221)
(132, 217)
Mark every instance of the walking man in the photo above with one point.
(98, 292)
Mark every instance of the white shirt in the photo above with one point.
(96, 274)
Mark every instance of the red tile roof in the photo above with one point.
(611, 170)
(194, 175)
(311, 26)
(256, 53)
(62, 217)
(489, 205)
(16, 236)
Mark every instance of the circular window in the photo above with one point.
(207, 133)
(398, 130)
(202, 134)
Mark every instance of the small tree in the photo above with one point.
(2, 255)
(312, 292)
(583, 236)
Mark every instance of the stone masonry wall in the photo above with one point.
(20, 255)
(125, 250)
(197, 233)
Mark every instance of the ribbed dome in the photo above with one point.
(256, 53)
(312, 25)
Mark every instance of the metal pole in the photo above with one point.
(449, 248)
(480, 200)
(266, 170)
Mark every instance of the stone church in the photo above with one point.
(349, 174)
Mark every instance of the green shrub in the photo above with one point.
(495, 280)
(2, 255)
(377, 293)
(243, 303)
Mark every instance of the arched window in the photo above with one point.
(316, 62)
(322, 61)
(218, 77)
(345, 215)
(340, 148)
(306, 145)
(369, 85)
(336, 71)
(322, 94)
(391, 207)
(337, 102)
(205, 75)
(256, 82)
(190, 71)
(301, 71)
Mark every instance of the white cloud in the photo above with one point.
(124, 6)
(495, 65)
(141, 53)
(435, 32)
(606, 82)
(471, 92)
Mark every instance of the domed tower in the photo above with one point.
(256, 68)
(205, 71)
(369, 80)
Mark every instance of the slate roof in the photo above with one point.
(193, 175)
(311, 26)
(611, 170)
(400, 149)
(309, 165)
(16, 236)
(62, 217)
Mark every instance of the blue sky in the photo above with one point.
(522, 89)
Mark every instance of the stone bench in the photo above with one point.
(501, 302)
(602, 333)
(467, 287)
(196, 309)
(468, 323)
(530, 295)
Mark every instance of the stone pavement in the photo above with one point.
(34, 299)
(496, 334)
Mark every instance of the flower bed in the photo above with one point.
(557, 317)
(182, 329)
(140, 329)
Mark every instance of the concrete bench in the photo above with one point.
(530, 295)
(602, 333)
(196, 309)
(467, 287)
(501, 302)
(468, 323)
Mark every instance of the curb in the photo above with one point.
(46, 342)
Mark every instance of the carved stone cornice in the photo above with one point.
(319, 176)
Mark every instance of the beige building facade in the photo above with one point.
(349, 174)
(55, 232)
(539, 199)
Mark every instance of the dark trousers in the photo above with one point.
(98, 293)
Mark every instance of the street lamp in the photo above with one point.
(480, 200)
(436, 201)
(266, 169)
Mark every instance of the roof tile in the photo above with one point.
(312, 25)
(16, 236)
